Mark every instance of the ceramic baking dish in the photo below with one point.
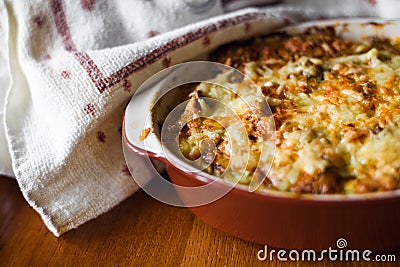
(279, 219)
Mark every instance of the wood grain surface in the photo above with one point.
(139, 232)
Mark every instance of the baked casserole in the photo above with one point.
(335, 104)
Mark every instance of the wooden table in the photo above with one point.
(139, 232)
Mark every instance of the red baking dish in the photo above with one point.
(278, 219)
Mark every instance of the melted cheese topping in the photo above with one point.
(337, 121)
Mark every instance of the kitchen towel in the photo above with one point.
(68, 68)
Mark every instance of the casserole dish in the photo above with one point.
(278, 219)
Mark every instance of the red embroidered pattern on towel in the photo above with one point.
(88, 5)
(104, 83)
